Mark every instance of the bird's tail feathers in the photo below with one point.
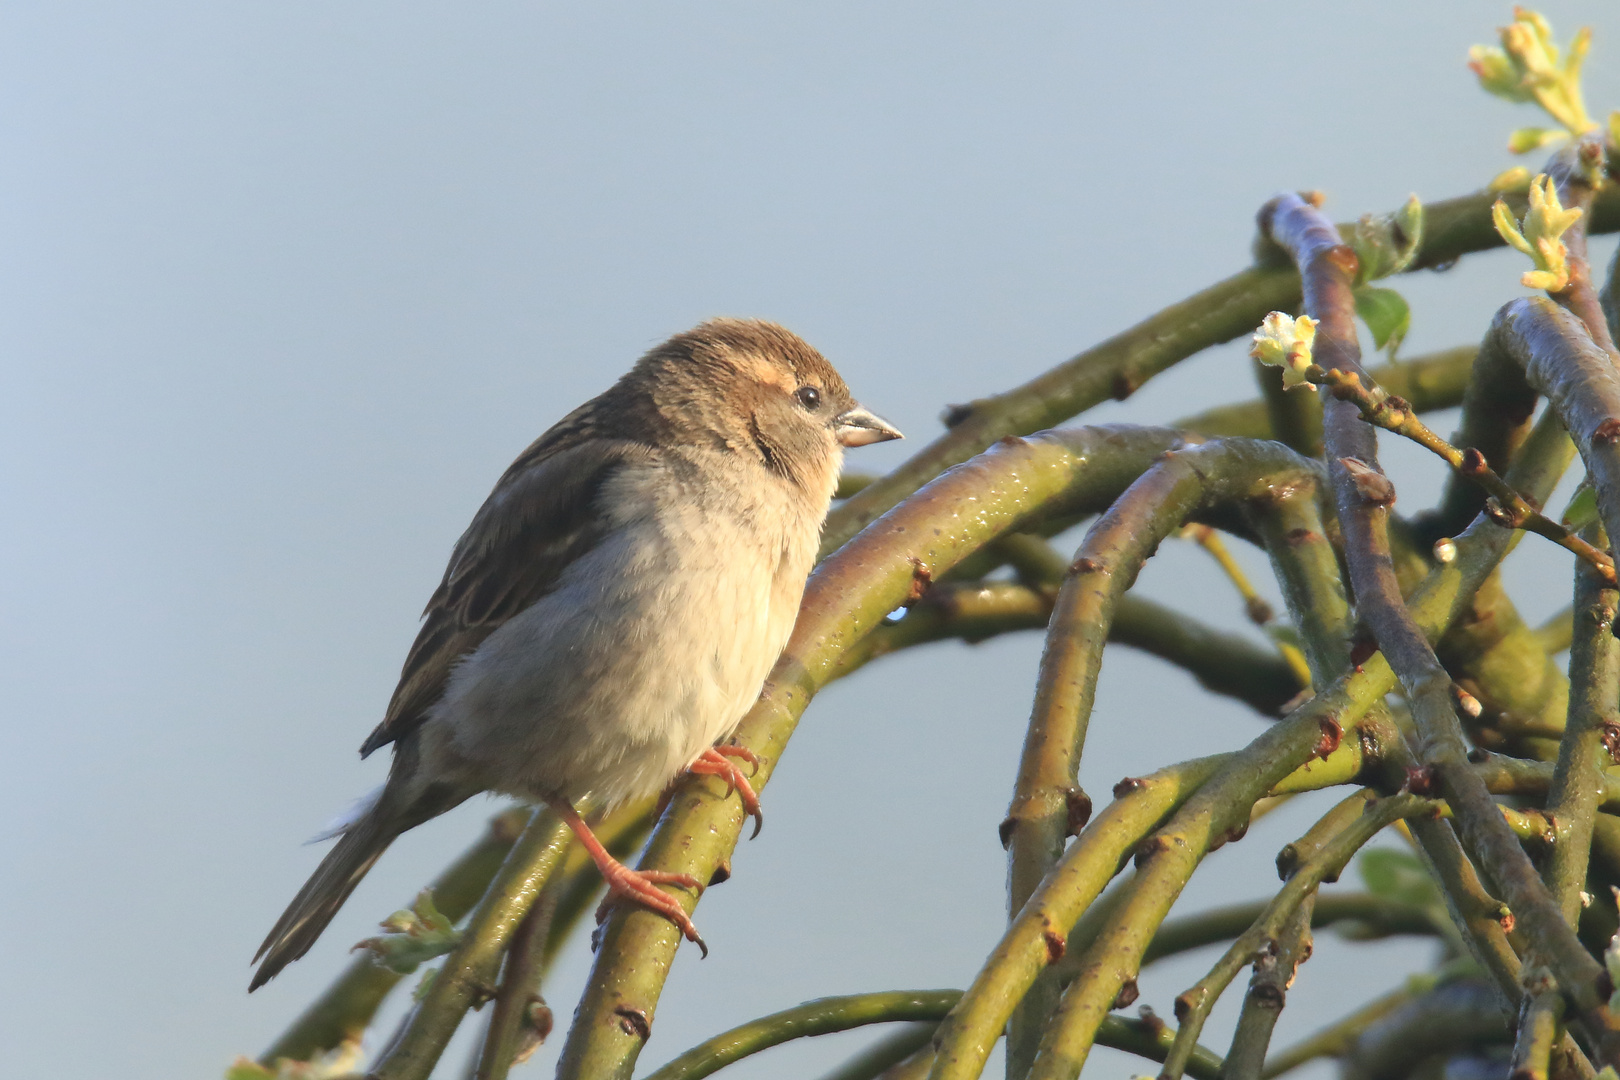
(371, 825)
(356, 852)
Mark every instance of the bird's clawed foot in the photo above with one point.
(716, 761)
(637, 886)
(641, 887)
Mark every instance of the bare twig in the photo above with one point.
(1507, 507)
(1268, 993)
(1429, 382)
(1194, 1005)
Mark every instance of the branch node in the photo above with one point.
(1128, 993)
(633, 1021)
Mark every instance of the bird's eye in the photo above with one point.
(809, 397)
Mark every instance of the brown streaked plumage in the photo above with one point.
(616, 602)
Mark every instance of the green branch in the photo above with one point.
(1047, 805)
(825, 1016)
(1194, 1005)
(1222, 662)
(468, 975)
(822, 1016)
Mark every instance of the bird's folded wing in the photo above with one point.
(542, 515)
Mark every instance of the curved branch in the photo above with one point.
(1180, 484)
(1373, 917)
(1223, 663)
(1119, 366)
(822, 1016)
(1048, 805)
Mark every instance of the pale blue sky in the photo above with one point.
(283, 287)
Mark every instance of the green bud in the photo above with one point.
(414, 936)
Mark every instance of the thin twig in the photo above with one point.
(1428, 382)
(1268, 993)
(1507, 507)
(519, 1020)
(1194, 1005)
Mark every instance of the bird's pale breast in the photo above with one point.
(651, 648)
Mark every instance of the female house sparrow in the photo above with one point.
(615, 605)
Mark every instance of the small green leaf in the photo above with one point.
(1582, 509)
(1386, 314)
(1399, 876)
(1386, 244)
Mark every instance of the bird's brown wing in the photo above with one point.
(542, 515)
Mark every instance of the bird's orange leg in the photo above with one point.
(638, 886)
(716, 761)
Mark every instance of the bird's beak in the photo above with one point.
(857, 427)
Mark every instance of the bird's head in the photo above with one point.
(758, 388)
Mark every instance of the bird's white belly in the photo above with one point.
(653, 647)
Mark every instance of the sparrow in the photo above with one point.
(614, 607)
